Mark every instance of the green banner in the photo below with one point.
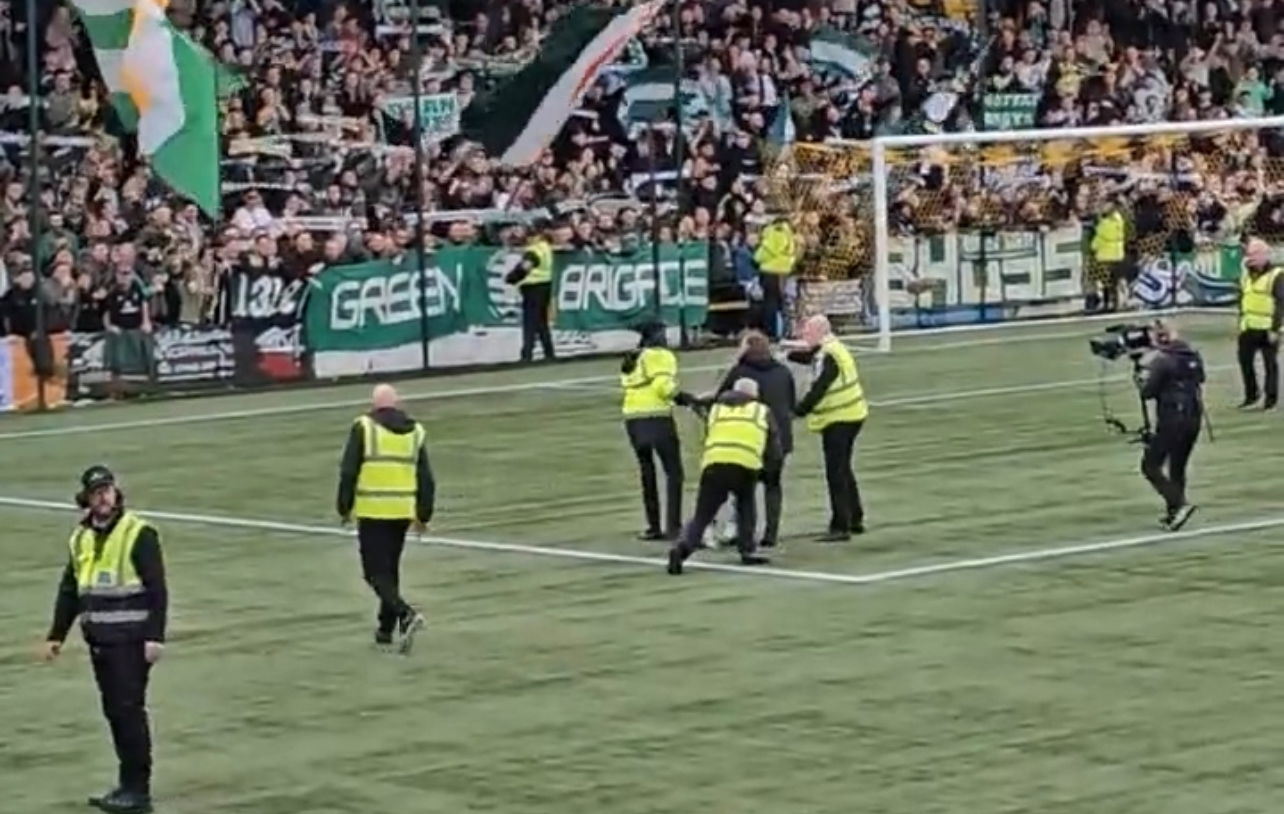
(438, 114)
(1009, 111)
(374, 307)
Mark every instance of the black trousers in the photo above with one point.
(717, 483)
(381, 543)
(1164, 461)
(536, 299)
(653, 438)
(773, 303)
(773, 498)
(121, 671)
(1252, 343)
(838, 442)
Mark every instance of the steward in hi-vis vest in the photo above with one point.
(649, 384)
(740, 434)
(534, 280)
(386, 484)
(1261, 308)
(115, 583)
(835, 407)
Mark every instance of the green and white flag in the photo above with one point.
(834, 52)
(438, 114)
(648, 98)
(164, 86)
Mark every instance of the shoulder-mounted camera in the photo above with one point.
(1122, 340)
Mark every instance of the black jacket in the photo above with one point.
(1174, 378)
(775, 389)
(772, 454)
(150, 567)
(354, 454)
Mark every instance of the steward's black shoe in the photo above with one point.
(411, 623)
(1181, 517)
(1248, 404)
(1269, 405)
(767, 544)
(383, 638)
(124, 802)
(97, 801)
(675, 561)
(858, 528)
(834, 537)
(754, 559)
(651, 535)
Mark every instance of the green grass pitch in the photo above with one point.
(1136, 680)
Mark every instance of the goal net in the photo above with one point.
(915, 232)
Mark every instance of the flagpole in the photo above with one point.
(678, 144)
(35, 348)
(655, 218)
(416, 59)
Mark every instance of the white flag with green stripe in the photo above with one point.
(164, 85)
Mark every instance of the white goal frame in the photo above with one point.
(879, 170)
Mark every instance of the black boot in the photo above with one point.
(121, 801)
(676, 557)
(651, 535)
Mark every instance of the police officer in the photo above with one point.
(1172, 375)
(386, 483)
(115, 582)
(1261, 308)
(534, 279)
(649, 381)
(740, 434)
(835, 407)
(777, 390)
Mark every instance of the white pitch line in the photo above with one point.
(873, 578)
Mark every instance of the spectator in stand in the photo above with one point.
(127, 319)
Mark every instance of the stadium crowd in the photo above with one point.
(316, 173)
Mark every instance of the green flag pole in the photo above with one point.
(37, 348)
(416, 59)
(678, 157)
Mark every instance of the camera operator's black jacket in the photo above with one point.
(1174, 379)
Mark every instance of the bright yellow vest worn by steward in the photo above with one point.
(737, 434)
(1108, 239)
(777, 249)
(1257, 300)
(650, 387)
(111, 593)
(844, 402)
(543, 271)
(388, 481)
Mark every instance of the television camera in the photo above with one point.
(1118, 341)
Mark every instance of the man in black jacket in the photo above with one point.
(114, 582)
(775, 389)
(386, 483)
(1172, 376)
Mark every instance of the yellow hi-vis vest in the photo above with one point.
(1257, 300)
(737, 434)
(111, 593)
(844, 402)
(1108, 239)
(650, 387)
(388, 481)
(543, 271)
(777, 249)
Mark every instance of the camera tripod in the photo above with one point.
(1141, 434)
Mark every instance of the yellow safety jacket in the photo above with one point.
(777, 249)
(844, 401)
(1108, 239)
(543, 271)
(650, 387)
(388, 481)
(111, 593)
(737, 434)
(1257, 300)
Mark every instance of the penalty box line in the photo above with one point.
(871, 578)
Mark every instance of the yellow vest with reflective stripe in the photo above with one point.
(844, 402)
(543, 271)
(388, 481)
(110, 590)
(777, 249)
(650, 387)
(1257, 300)
(737, 434)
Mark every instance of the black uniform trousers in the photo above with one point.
(838, 443)
(717, 483)
(381, 543)
(1252, 343)
(536, 299)
(121, 671)
(773, 497)
(657, 437)
(1170, 448)
(773, 304)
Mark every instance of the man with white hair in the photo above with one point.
(835, 407)
(1261, 308)
(741, 433)
(386, 483)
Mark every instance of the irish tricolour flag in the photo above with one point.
(164, 85)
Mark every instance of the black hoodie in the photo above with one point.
(1174, 378)
(775, 389)
(395, 421)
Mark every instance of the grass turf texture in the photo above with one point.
(1135, 681)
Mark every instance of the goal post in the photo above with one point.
(991, 229)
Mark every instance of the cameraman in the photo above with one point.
(1172, 375)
